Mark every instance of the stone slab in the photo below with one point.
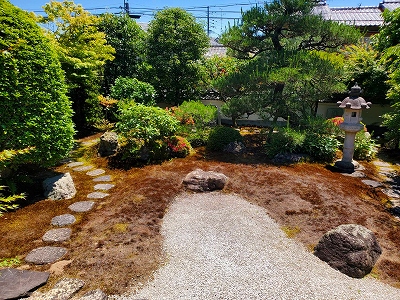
(392, 193)
(57, 235)
(356, 174)
(15, 284)
(372, 183)
(96, 172)
(104, 186)
(83, 168)
(45, 255)
(94, 295)
(103, 178)
(65, 289)
(63, 220)
(75, 164)
(81, 206)
(97, 195)
(380, 163)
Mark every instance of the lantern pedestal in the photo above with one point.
(347, 167)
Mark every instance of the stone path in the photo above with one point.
(66, 288)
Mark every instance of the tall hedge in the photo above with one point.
(34, 109)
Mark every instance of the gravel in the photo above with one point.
(219, 246)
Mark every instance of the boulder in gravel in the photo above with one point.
(202, 181)
(15, 284)
(352, 249)
(108, 144)
(59, 187)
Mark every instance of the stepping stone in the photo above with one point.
(83, 168)
(103, 178)
(357, 174)
(66, 288)
(81, 206)
(45, 255)
(96, 172)
(372, 183)
(57, 235)
(75, 164)
(392, 193)
(63, 220)
(97, 195)
(16, 284)
(104, 186)
(94, 295)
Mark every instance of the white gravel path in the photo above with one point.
(220, 246)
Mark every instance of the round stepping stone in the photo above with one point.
(96, 172)
(63, 220)
(81, 206)
(57, 235)
(392, 193)
(97, 195)
(103, 178)
(45, 255)
(104, 186)
(372, 183)
(83, 168)
(380, 163)
(75, 164)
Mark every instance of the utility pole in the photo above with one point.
(208, 21)
(126, 8)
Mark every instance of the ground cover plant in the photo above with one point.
(118, 245)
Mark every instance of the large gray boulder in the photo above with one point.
(108, 144)
(202, 181)
(352, 249)
(59, 187)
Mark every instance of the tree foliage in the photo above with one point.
(175, 45)
(284, 41)
(82, 50)
(128, 40)
(135, 90)
(35, 112)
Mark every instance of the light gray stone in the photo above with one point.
(96, 172)
(15, 284)
(83, 168)
(351, 249)
(59, 187)
(81, 206)
(63, 220)
(380, 163)
(372, 183)
(64, 289)
(75, 164)
(103, 178)
(104, 186)
(201, 181)
(97, 195)
(57, 235)
(94, 295)
(235, 147)
(393, 193)
(45, 255)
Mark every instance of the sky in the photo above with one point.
(214, 14)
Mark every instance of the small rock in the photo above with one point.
(81, 206)
(94, 295)
(97, 195)
(104, 186)
(352, 249)
(45, 255)
(65, 289)
(201, 181)
(108, 144)
(235, 147)
(59, 187)
(83, 168)
(15, 284)
(75, 164)
(57, 235)
(372, 183)
(63, 220)
(103, 178)
(96, 172)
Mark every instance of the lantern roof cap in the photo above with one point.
(354, 101)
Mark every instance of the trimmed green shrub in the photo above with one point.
(179, 146)
(144, 131)
(201, 114)
(35, 111)
(132, 89)
(222, 136)
(364, 146)
(320, 147)
(285, 140)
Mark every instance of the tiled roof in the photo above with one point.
(216, 49)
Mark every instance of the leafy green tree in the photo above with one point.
(134, 90)
(128, 40)
(35, 112)
(175, 45)
(83, 51)
(285, 39)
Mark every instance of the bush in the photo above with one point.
(144, 131)
(321, 147)
(178, 146)
(132, 89)
(285, 141)
(364, 147)
(35, 111)
(8, 202)
(222, 136)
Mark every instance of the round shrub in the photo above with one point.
(179, 146)
(126, 88)
(320, 147)
(34, 109)
(285, 140)
(222, 136)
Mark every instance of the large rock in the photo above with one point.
(59, 187)
(352, 249)
(15, 284)
(108, 144)
(201, 181)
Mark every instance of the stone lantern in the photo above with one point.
(352, 106)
